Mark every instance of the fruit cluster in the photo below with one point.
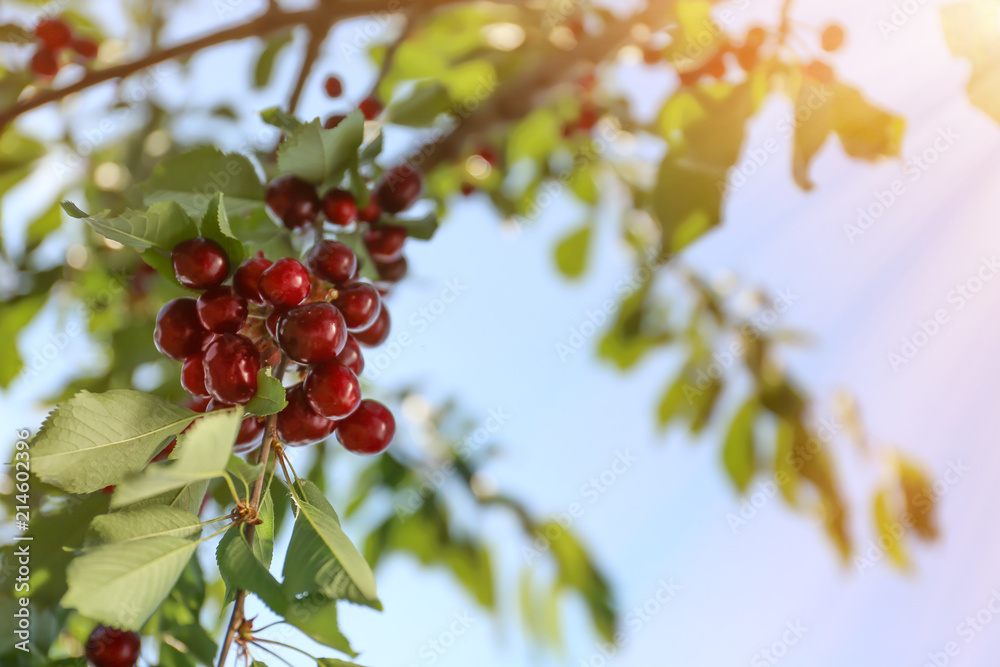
(54, 36)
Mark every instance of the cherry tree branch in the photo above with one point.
(313, 43)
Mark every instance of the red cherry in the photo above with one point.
(818, 71)
(271, 323)
(333, 121)
(755, 37)
(111, 647)
(222, 310)
(339, 207)
(398, 189)
(312, 333)
(85, 48)
(371, 211)
(44, 63)
(285, 283)
(351, 356)
(299, 424)
(200, 263)
(370, 107)
(197, 403)
(589, 115)
(832, 37)
(333, 390)
(248, 439)
(333, 87)
(747, 57)
(165, 452)
(246, 280)
(368, 430)
(469, 188)
(293, 201)
(359, 303)
(392, 272)
(652, 56)
(378, 332)
(716, 67)
(332, 261)
(385, 242)
(179, 333)
(231, 365)
(193, 375)
(54, 33)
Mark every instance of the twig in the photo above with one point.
(314, 41)
(390, 53)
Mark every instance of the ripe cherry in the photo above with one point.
(339, 207)
(468, 188)
(333, 87)
(54, 33)
(818, 71)
(293, 201)
(222, 310)
(312, 333)
(285, 283)
(299, 424)
(333, 390)
(332, 261)
(111, 647)
(378, 332)
(246, 280)
(200, 263)
(44, 63)
(193, 375)
(333, 121)
(231, 365)
(271, 323)
(351, 356)
(179, 333)
(368, 430)
(85, 48)
(165, 452)
(392, 272)
(589, 115)
(370, 212)
(359, 303)
(398, 189)
(370, 107)
(832, 37)
(747, 57)
(652, 56)
(385, 242)
(756, 37)
(248, 439)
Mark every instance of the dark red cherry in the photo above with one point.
(371, 107)
(371, 211)
(339, 207)
(271, 323)
(392, 272)
(299, 424)
(231, 365)
(332, 261)
(399, 188)
(111, 647)
(333, 390)
(378, 332)
(193, 375)
(385, 242)
(293, 201)
(248, 439)
(179, 333)
(312, 333)
(285, 283)
(246, 280)
(200, 263)
(44, 63)
(368, 430)
(54, 33)
(359, 303)
(333, 121)
(333, 87)
(165, 452)
(351, 356)
(222, 310)
(85, 48)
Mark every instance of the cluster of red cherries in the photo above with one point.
(315, 314)
(54, 36)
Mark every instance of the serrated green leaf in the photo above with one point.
(142, 522)
(270, 397)
(571, 252)
(193, 178)
(321, 558)
(161, 226)
(265, 60)
(280, 119)
(243, 471)
(322, 156)
(317, 617)
(739, 451)
(215, 225)
(201, 454)
(95, 440)
(240, 568)
(427, 100)
(188, 497)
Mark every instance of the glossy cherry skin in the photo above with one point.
(385, 243)
(312, 333)
(339, 207)
(378, 332)
(44, 63)
(333, 390)
(271, 323)
(299, 424)
(293, 201)
(333, 121)
(368, 430)
(393, 271)
(231, 365)
(246, 280)
(371, 107)
(222, 310)
(286, 283)
(111, 647)
(332, 261)
(370, 212)
(333, 87)
(179, 333)
(351, 356)
(200, 263)
(54, 33)
(359, 303)
(193, 375)
(398, 189)
(248, 439)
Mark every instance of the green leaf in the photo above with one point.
(687, 201)
(193, 178)
(215, 225)
(15, 34)
(243, 471)
(322, 156)
(321, 558)
(270, 397)
(188, 497)
(812, 130)
(889, 530)
(571, 252)
(333, 662)
(426, 101)
(240, 568)
(265, 60)
(161, 226)
(421, 228)
(865, 131)
(280, 119)
(202, 453)
(122, 584)
(972, 31)
(738, 451)
(42, 226)
(142, 522)
(316, 616)
(14, 316)
(95, 440)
